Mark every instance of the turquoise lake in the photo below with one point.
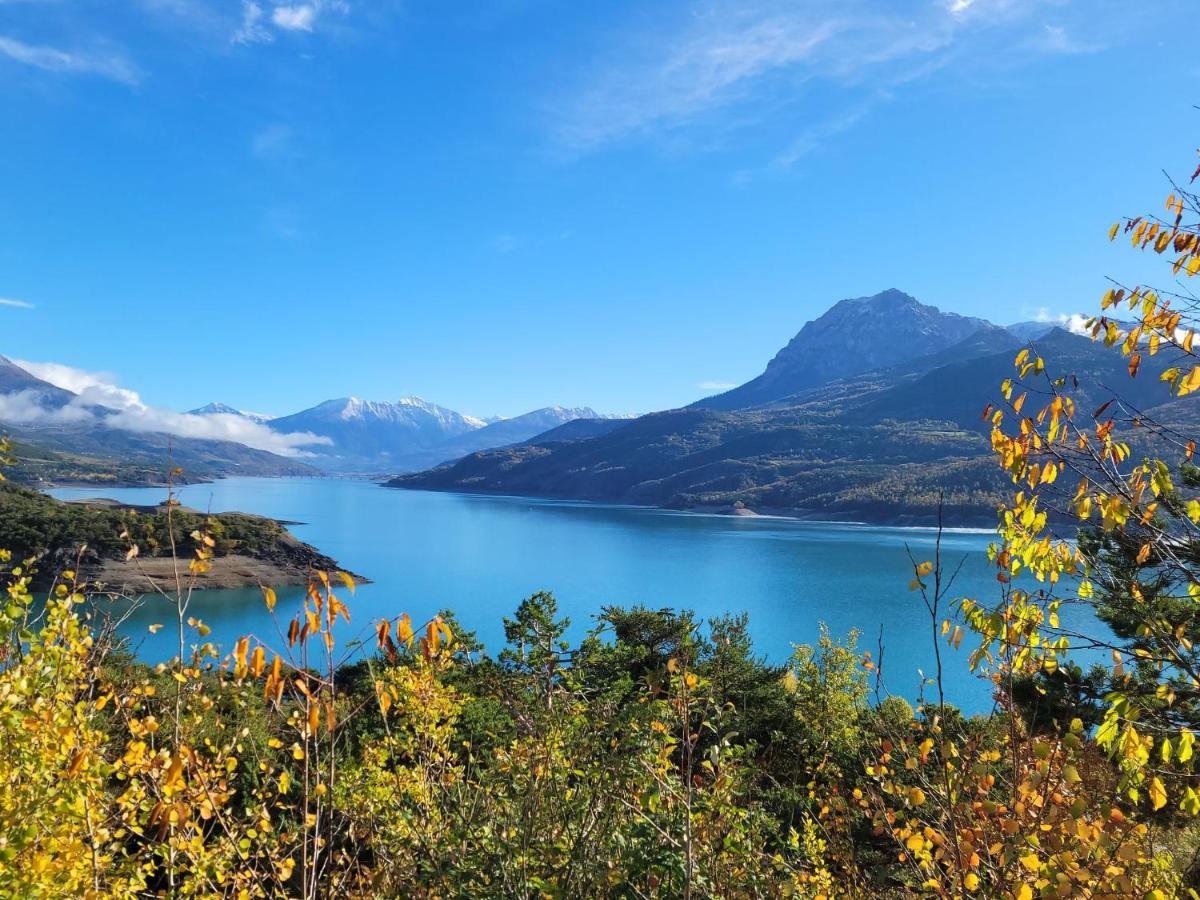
(480, 555)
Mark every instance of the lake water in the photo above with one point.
(480, 555)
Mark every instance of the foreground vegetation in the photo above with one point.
(660, 757)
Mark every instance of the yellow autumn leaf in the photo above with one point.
(1158, 793)
(1190, 381)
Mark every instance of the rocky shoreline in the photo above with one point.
(286, 562)
(143, 576)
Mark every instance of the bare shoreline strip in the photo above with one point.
(235, 571)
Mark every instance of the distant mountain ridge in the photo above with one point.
(372, 436)
(379, 437)
(880, 444)
(497, 433)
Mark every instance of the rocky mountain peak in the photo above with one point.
(855, 335)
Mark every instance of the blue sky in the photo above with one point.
(506, 204)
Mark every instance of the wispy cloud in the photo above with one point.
(505, 243)
(700, 67)
(51, 59)
(253, 28)
(818, 134)
(100, 399)
(19, 304)
(727, 53)
(1056, 39)
(716, 385)
(510, 242)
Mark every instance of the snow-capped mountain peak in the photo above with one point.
(217, 408)
(372, 435)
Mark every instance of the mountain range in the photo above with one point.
(407, 435)
(872, 411)
(60, 437)
(64, 436)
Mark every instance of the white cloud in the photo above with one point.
(93, 388)
(25, 408)
(295, 18)
(219, 426)
(51, 59)
(100, 399)
(1076, 323)
(258, 26)
(253, 29)
(20, 304)
(716, 385)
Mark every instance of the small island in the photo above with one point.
(94, 537)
